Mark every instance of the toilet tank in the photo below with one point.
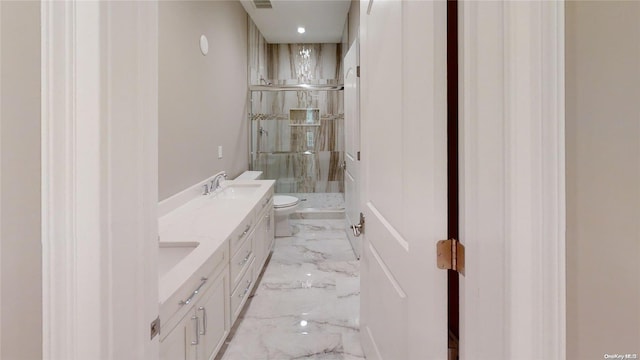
(250, 175)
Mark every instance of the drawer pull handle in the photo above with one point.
(245, 232)
(195, 292)
(204, 320)
(246, 258)
(266, 201)
(246, 290)
(197, 328)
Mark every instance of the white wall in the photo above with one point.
(20, 249)
(603, 178)
(202, 99)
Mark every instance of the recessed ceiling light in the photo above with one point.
(301, 30)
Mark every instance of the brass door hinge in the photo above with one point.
(451, 255)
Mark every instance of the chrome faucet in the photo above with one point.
(215, 183)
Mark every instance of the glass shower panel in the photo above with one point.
(298, 139)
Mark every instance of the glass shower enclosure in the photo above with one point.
(297, 139)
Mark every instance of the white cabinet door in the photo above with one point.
(202, 331)
(404, 163)
(212, 313)
(263, 238)
(178, 344)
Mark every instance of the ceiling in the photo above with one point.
(323, 20)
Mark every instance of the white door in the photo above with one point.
(352, 146)
(404, 179)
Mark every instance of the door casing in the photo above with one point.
(100, 179)
(512, 197)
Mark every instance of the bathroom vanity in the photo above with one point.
(212, 250)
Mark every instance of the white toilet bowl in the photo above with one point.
(283, 206)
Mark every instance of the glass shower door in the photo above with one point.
(298, 140)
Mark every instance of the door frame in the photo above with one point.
(528, 177)
(512, 192)
(99, 179)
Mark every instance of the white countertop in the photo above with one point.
(208, 220)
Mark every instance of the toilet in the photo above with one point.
(283, 206)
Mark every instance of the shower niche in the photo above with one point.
(304, 123)
(297, 138)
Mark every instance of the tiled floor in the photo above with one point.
(319, 200)
(307, 303)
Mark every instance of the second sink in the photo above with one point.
(171, 253)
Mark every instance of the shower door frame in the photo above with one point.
(253, 151)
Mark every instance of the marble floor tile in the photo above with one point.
(307, 303)
(317, 227)
(319, 200)
(309, 213)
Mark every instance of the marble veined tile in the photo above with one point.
(307, 63)
(314, 251)
(306, 305)
(324, 242)
(257, 54)
(310, 226)
(264, 342)
(333, 200)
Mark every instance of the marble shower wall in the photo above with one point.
(300, 156)
(293, 63)
(304, 63)
(257, 54)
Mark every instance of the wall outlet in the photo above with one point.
(220, 152)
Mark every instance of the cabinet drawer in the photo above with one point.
(241, 293)
(263, 211)
(241, 260)
(264, 202)
(241, 233)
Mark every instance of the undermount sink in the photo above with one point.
(237, 191)
(170, 254)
